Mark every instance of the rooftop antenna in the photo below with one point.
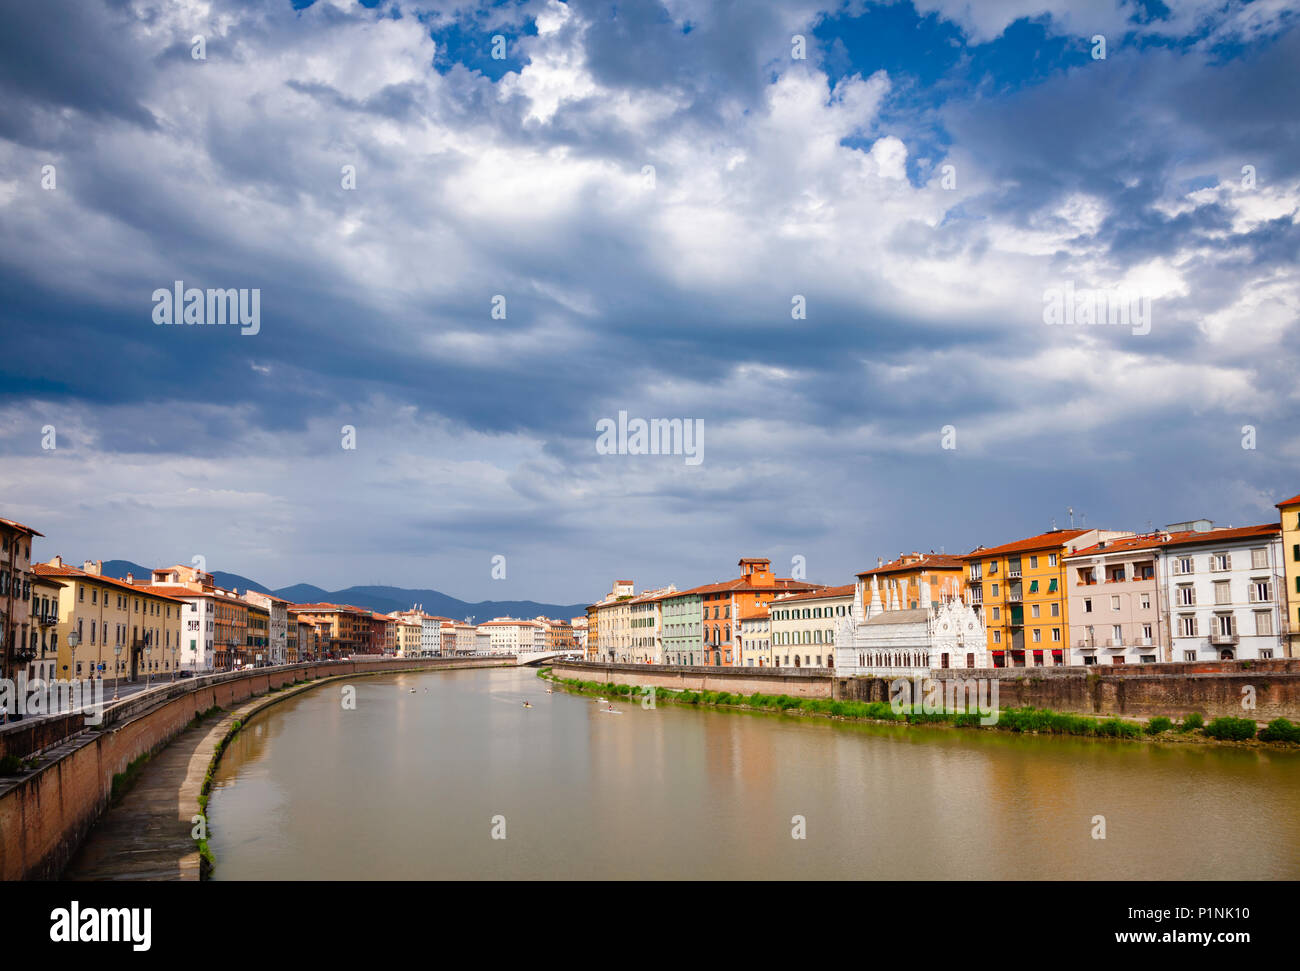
(1070, 510)
(1083, 520)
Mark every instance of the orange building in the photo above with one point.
(943, 572)
(725, 604)
(1020, 589)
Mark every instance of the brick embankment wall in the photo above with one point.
(46, 813)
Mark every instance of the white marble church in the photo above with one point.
(884, 639)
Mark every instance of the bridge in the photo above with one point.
(536, 657)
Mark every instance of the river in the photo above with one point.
(415, 785)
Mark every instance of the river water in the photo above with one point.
(415, 785)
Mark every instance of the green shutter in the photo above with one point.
(1051, 585)
(1033, 586)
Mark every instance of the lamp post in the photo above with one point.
(174, 663)
(73, 640)
(117, 667)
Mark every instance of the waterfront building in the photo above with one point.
(510, 635)
(942, 572)
(43, 645)
(579, 625)
(721, 605)
(121, 628)
(803, 625)
(430, 629)
(883, 637)
(257, 636)
(465, 639)
(409, 638)
(1114, 603)
(645, 626)
(341, 631)
(448, 634)
(482, 641)
(1020, 589)
(277, 634)
(215, 620)
(1220, 591)
(15, 596)
(605, 632)
(755, 639)
(683, 627)
(1289, 514)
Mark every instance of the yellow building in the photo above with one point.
(1290, 514)
(944, 574)
(120, 629)
(1021, 590)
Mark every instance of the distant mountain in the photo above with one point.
(383, 600)
(387, 599)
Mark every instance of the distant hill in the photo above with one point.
(380, 599)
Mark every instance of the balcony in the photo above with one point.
(1224, 639)
(1115, 642)
(1086, 645)
(1013, 574)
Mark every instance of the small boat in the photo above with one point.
(601, 701)
(611, 711)
(528, 704)
(412, 691)
(550, 691)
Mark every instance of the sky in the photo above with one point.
(829, 234)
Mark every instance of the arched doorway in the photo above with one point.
(1226, 654)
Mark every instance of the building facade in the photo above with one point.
(683, 627)
(804, 624)
(1289, 600)
(1020, 588)
(15, 596)
(723, 604)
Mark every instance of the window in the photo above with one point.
(1261, 590)
(1051, 585)
(1189, 655)
(997, 637)
(1114, 603)
(997, 613)
(995, 587)
(1033, 610)
(1038, 635)
(1146, 633)
(1145, 601)
(1033, 586)
(1033, 563)
(1187, 625)
(993, 567)
(1087, 605)
(1185, 564)
(1222, 592)
(1056, 610)
(1259, 559)
(1056, 634)
(1117, 634)
(1186, 595)
(1264, 622)
(1051, 560)
(1220, 561)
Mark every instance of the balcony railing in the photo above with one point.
(1219, 638)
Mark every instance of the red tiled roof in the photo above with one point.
(44, 569)
(1289, 502)
(742, 584)
(1187, 537)
(929, 561)
(825, 593)
(1043, 541)
(19, 526)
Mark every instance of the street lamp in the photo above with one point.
(117, 667)
(174, 662)
(73, 640)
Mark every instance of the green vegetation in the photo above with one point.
(1231, 729)
(1192, 722)
(122, 781)
(1280, 730)
(1158, 725)
(11, 765)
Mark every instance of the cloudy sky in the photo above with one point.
(649, 185)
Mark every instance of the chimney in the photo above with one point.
(130, 578)
(56, 560)
(93, 567)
